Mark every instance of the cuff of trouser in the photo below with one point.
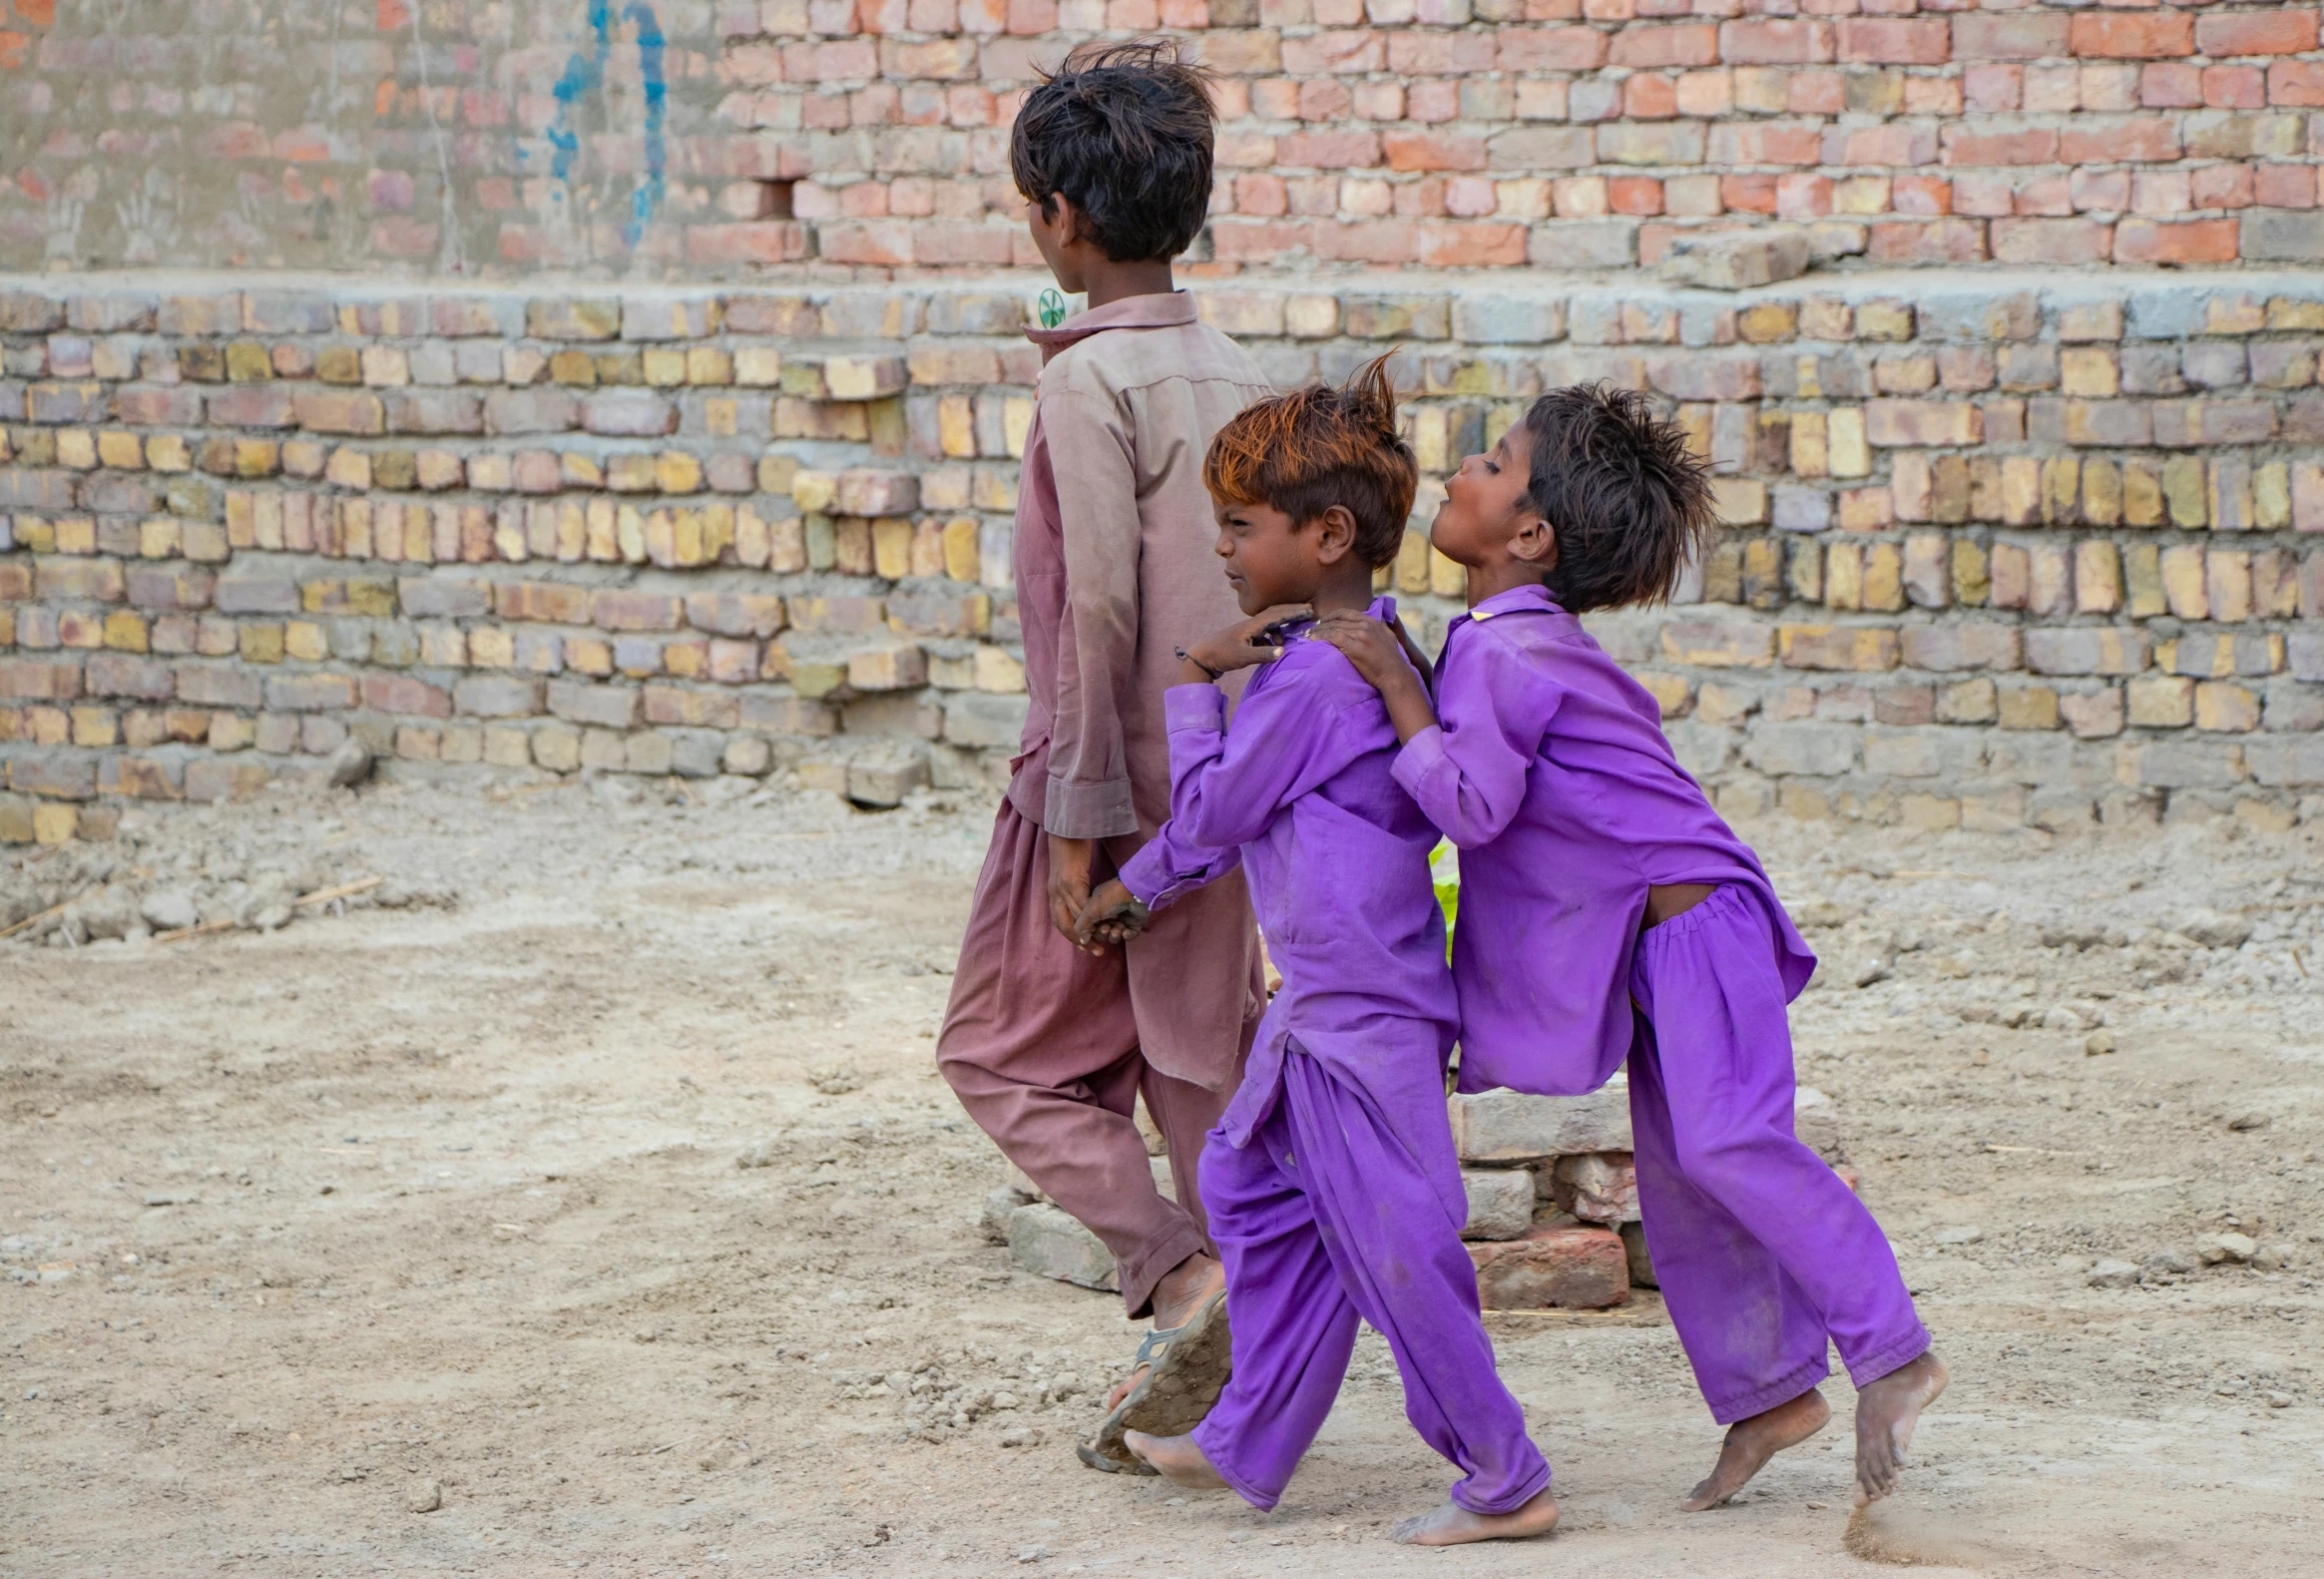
(1532, 1487)
(1895, 1357)
(1743, 1406)
(1138, 1277)
(1265, 1501)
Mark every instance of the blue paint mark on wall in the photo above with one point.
(585, 72)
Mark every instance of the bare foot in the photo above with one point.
(1183, 1291)
(1454, 1525)
(1750, 1443)
(1885, 1413)
(1177, 1459)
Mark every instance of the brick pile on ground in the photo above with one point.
(1553, 1201)
(153, 883)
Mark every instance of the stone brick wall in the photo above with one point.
(2001, 548)
(712, 138)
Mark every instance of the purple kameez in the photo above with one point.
(1333, 1186)
(1550, 771)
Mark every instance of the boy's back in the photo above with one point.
(1130, 397)
(1554, 759)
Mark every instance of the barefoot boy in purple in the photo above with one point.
(1331, 1181)
(1607, 910)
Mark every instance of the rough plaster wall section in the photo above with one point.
(2001, 548)
(443, 136)
(861, 136)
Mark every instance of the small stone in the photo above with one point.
(426, 1497)
(1024, 1554)
(1959, 1234)
(1868, 971)
(2213, 929)
(2274, 1257)
(273, 918)
(2253, 1120)
(169, 910)
(1044, 1240)
(2169, 1264)
(994, 1218)
(758, 1154)
(2112, 1275)
(2221, 1247)
(2279, 1400)
(350, 765)
(2097, 1044)
(834, 1079)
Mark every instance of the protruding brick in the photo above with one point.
(1500, 1125)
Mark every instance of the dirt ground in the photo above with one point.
(589, 1184)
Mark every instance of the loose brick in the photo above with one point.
(1552, 1267)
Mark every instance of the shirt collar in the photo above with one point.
(1383, 608)
(1531, 596)
(1160, 311)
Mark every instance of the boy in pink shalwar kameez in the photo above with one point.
(1048, 1044)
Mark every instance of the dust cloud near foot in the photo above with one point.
(597, 1205)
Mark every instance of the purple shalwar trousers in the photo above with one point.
(1762, 1251)
(1345, 1206)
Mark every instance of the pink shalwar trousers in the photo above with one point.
(1762, 1251)
(1347, 1205)
(1042, 1044)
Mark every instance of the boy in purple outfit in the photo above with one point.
(1333, 1188)
(1608, 911)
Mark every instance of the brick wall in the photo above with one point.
(710, 140)
(2001, 548)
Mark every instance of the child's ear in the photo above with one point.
(1534, 542)
(1337, 534)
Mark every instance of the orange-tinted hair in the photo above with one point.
(1303, 452)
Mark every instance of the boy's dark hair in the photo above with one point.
(1124, 132)
(1630, 504)
(1303, 452)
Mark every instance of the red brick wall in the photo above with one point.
(869, 135)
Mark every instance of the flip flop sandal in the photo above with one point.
(1190, 1363)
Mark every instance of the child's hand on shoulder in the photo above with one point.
(1387, 660)
(1239, 645)
(1368, 643)
(1113, 915)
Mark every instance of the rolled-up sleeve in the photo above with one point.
(1096, 500)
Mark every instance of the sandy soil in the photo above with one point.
(598, 1187)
